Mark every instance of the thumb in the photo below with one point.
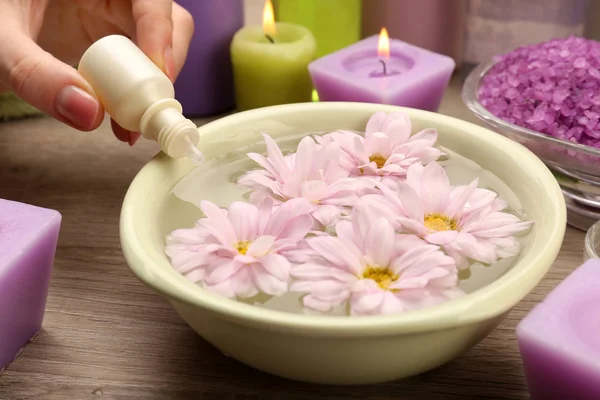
(48, 84)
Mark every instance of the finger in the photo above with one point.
(133, 138)
(154, 31)
(123, 134)
(115, 12)
(183, 30)
(46, 83)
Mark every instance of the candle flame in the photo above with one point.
(383, 46)
(268, 19)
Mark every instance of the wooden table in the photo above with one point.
(107, 336)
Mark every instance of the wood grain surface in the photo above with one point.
(107, 336)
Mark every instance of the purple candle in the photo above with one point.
(28, 238)
(205, 84)
(377, 70)
(560, 339)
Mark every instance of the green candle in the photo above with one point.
(334, 23)
(272, 68)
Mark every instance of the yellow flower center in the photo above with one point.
(382, 276)
(242, 247)
(379, 160)
(439, 222)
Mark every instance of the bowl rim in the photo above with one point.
(488, 302)
(471, 100)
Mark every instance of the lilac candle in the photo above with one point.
(377, 70)
(560, 339)
(205, 83)
(28, 237)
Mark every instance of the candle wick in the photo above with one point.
(384, 67)
(270, 39)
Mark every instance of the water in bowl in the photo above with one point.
(215, 180)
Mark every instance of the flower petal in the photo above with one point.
(277, 265)
(435, 188)
(375, 123)
(314, 191)
(497, 225)
(297, 228)
(313, 303)
(380, 206)
(345, 233)
(333, 250)
(330, 290)
(391, 305)
(264, 162)
(412, 226)
(361, 221)
(416, 256)
(441, 238)
(380, 243)
(428, 136)
(459, 197)
(312, 271)
(244, 219)
(378, 144)
(242, 284)
(276, 158)
(260, 246)
(267, 283)
(224, 288)
(195, 275)
(327, 215)
(186, 259)
(412, 207)
(366, 302)
(223, 229)
(304, 160)
(221, 270)
(284, 214)
(396, 125)
(414, 177)
(468, 246)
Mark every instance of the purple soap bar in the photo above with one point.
(409, 76)
(28, 237)
(560, 339)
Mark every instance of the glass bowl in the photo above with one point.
(576, 167)
(592, 242)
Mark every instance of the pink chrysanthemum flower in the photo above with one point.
(313, 173)
(466, 221)
(241, 251)
(387, 149)
(375, 269)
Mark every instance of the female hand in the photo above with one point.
(41, 40)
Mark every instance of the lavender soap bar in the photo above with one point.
(560, 339)
(28, 237)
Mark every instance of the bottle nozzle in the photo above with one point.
(176, 135)
(193, 153)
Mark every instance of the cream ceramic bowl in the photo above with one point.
(329, 349)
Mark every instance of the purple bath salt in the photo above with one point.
(28, 237)
(551, 87)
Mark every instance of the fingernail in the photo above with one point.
(77, 106)
(133, 137)
(169, 63)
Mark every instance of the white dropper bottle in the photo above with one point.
(139, 96)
